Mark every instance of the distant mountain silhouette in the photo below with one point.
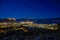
(46, 21)
(43, 21)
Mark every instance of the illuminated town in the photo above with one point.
(11, 27)
(19, 25)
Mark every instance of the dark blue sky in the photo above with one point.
(29, 8)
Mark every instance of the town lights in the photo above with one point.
(11, 19)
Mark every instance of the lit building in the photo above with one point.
(26, 22)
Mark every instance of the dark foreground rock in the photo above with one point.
(20, 35)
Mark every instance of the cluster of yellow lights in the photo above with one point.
(11, 19)
(30, 24)
(27, 24)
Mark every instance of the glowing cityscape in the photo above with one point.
(19, 25)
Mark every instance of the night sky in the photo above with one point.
(29, 8)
